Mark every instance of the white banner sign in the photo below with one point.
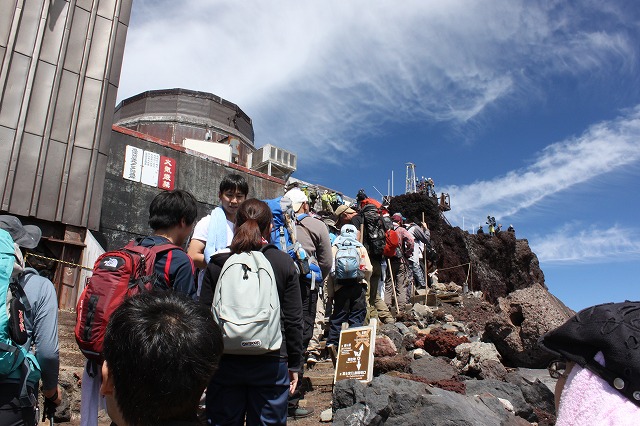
(150, 168)
(133, 163)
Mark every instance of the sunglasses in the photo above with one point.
(557, 368)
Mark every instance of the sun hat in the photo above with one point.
(612, 329)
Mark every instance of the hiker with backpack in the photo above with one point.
(325, 303)
(398, 275)
(33, 298)
(258, 305)
(422, 239)
(214, 232)
(154, 262)
(160, 351)
(313, 236)
(347, 284)
(372, 227)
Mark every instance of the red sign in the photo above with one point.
(167, 173)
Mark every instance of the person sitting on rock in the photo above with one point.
(480, 231)
(598, 366)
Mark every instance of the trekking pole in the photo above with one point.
(424, 256)
(393, 285)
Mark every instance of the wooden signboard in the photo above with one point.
(355, 353)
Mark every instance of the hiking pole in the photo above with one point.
(393, 285)
(424, 256)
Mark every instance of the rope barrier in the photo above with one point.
(469, 276)
(60, 261)
(452, 267)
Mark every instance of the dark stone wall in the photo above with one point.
(500, 264)
(125, 203)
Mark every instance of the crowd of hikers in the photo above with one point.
(222, 332)
(494, 228)
(278, 277)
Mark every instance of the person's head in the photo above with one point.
(299, 201)
(361, 196)
(600, 348)
(160, 351)
(173, 210)
(25, 236)
(397, 218)
(344, 214)
(253, 224)
(233, 191)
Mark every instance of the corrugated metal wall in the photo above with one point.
(60, 70)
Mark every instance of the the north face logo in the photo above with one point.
(251, 343)
(111, 262)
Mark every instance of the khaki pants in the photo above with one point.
(400, 273)
(377, 308)
(320, 323)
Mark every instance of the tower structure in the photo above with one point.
(410, 186)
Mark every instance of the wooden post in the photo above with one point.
(393, 285)
(426, 270)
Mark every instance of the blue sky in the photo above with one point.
(527, 111)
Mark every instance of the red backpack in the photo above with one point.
(116, 275)
(391, 243)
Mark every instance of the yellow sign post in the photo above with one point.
(355, 353)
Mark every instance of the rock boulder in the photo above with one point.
(522, 317)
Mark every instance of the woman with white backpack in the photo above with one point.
(258, 306)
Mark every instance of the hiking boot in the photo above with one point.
(312, 360)
(299, 412)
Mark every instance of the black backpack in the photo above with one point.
(374, 229)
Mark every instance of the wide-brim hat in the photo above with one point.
(27, 236)
(614, 330)
(343, 208)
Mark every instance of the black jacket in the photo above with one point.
(286, 275)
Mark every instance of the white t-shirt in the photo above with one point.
(201, 230)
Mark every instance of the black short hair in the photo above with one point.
(161, 349)
(168, 208)
(234, 182)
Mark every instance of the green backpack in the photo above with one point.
(15, 361)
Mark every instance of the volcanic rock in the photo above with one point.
(522, 317)
(389, 400)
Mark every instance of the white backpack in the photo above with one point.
(246, 305)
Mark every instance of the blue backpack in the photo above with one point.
(13, 333)
(347, 261)
(283, 216)
(284, 222)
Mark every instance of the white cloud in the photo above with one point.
(603, 148)
(572, 244)
(321, 74)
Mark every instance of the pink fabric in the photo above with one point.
(588, 400)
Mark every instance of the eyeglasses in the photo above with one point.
(557, 369)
